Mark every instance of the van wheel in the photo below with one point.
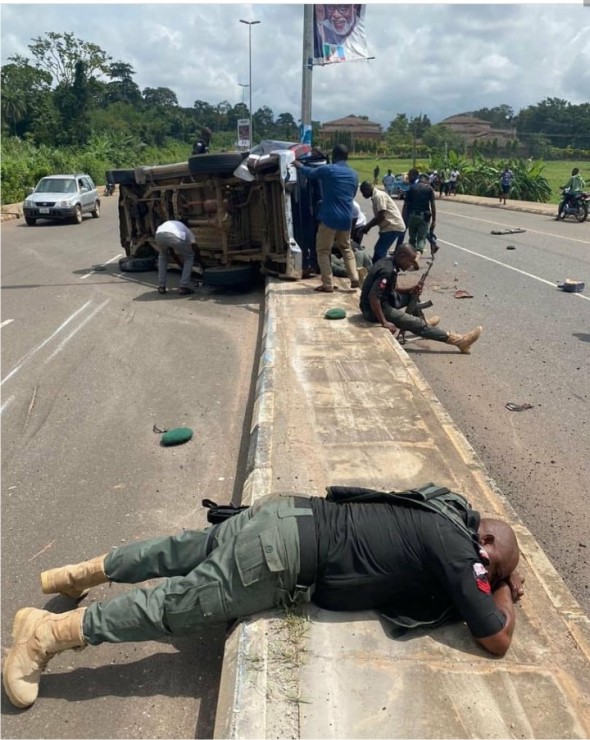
(77, 217)
(137, 264)
(96, 211)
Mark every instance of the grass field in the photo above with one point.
(557, 172)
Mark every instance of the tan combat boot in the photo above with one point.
(363, 272)
(433, 321)
(464, 341)
(38, 635)
(74, 580)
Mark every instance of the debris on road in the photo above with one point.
(176, 436)
(462, 294)
(572, 286)
(511, 246)
(518, 406)
(507, 231)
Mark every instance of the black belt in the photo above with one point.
(308, 544)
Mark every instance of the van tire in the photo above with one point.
(216, 164)
(138, 264)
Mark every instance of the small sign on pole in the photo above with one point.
(244, 133)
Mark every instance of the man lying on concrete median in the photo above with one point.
(384, 303)
(364, 550)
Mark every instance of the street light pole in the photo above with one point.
(243, 85)
(250, 24)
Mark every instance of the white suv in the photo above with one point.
(62, 197)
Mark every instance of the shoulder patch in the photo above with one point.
(481, 578)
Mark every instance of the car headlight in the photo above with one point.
(29, 203)
(62, 203)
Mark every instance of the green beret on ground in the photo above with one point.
(335, 313)
(176, 436)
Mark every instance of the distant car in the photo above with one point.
(400, 186)
(63, 198)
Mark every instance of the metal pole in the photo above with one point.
(250, 24)
(306, 84)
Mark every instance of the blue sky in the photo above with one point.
(437, 59)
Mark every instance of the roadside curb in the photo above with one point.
(236, 717)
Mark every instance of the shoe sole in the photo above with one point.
(19, 634)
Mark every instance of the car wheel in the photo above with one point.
(229, 276)
(30, 221)
(138, 264)
(77, 217)
(96, 211)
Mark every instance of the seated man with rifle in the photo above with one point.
(421, 557)
(383, 303)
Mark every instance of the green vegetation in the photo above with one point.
(71, 107)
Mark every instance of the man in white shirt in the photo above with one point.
(175, 236)
(388, 182)
(359, 221)
(386, 216)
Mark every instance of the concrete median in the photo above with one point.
(341, 403)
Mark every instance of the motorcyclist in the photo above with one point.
(573, 187)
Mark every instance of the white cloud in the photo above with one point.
(436, 59)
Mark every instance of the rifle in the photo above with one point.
(415, 307)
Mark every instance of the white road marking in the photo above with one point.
(5, 323)
(88, 274)
(36, 349)
(6, 404)
(530, 231)
(510, 267)
(76, 330)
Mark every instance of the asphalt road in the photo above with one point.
(91, 360)
(535, 349)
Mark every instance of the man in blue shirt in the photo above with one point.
(339, 186)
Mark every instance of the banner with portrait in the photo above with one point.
(244, 133)
(339, 34)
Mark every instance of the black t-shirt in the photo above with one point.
(401, 561)
(419, 197)
(381, 282)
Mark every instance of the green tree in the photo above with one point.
(263, 122)
(286, 127)
(58, 54)
(122, 87)
(72, 102)
(159, 97)
(24, 90)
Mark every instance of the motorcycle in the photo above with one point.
(573, 204)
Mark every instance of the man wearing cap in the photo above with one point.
(383, 555)
(382, 302)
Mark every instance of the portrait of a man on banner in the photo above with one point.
(339, 33)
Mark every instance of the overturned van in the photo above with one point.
(249, 211)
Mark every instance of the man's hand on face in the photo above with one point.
(515, 581)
